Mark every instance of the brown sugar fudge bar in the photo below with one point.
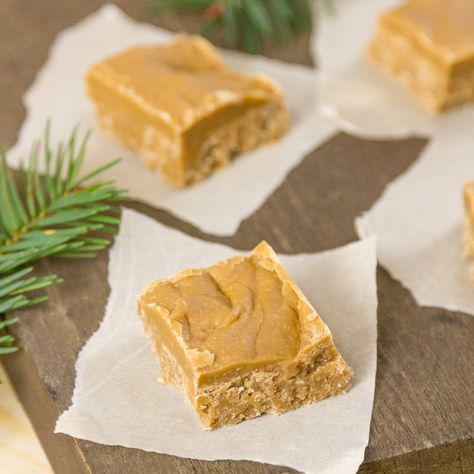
(182, 110)
(469, 220)
(429, 45)
(240, 339)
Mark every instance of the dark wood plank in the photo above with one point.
(423, 419)
(454, 458)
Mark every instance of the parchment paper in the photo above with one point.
(118, 400)
(358, 96)
(419, 225)
(217, 205)
(418, 220)
(341, 36)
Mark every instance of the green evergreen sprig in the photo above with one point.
(60, 214)
(247, 23)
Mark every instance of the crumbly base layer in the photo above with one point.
(272, 389)
(469, 243)
(469, 224)
(468, 197)
(468, 238)
(461, 88)
(267, 392)
(433, 84)
(257, 126)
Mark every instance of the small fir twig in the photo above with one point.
(58, 215)
(247, 23)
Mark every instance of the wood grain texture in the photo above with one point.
(20, 450)
(423, 417)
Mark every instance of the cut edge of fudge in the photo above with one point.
(469, 223)
(317, 371)
(428, 71)
(188, 148)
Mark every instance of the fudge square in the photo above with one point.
(429, 45)
(240, 339)
(182, 110)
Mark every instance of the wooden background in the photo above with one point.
(20, 450)
(423, 419)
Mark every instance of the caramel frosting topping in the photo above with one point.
(181, 81)
(445, 26)
(245, 310)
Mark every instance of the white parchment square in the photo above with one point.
(418, 219)
(218, 204)
(118, 401)
(419, 224)
(342, 35)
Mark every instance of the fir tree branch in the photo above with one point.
(6, 340)
(247, 23)
(58, 215)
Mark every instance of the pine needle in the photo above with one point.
(59, 214)
(247, 23)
